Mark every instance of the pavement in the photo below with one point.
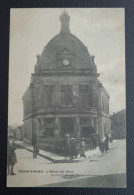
(60, 158)
(108, 170)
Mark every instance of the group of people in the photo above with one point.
(74, 147)
(104, 144)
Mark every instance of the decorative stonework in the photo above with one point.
(65, 93)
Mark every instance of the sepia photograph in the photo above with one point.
(67, 98)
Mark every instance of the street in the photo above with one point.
(100, 171)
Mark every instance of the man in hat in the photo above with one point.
(11, 155)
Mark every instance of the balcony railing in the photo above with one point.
(66, 110)
(65, 71)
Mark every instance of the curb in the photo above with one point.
(60, 161)
(44, 156)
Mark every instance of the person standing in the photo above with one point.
(102, 147)
(106, 142)
(98, 139)
(82, 148)
(11, 155)
(67, 146)
(56, 145)
(35, 146)
(74, 148)
(94, 142)
(111, 139)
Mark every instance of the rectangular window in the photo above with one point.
(49, 89)
(66, 95)
(84, 100)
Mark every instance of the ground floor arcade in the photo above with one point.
(57, 126)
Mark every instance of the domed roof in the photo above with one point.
(65, 46)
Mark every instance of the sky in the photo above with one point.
(102, 30)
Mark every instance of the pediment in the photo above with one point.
(65, 51)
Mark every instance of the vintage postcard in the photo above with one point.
(67, 101)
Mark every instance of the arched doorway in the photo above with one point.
(67, 126)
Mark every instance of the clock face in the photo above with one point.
(65, 62)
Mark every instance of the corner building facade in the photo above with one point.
(65, 95)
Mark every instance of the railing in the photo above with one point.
(67, 110)
(65, 71)
(61, 110)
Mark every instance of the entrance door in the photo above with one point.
(67, 126)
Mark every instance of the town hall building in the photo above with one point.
(65, 95)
